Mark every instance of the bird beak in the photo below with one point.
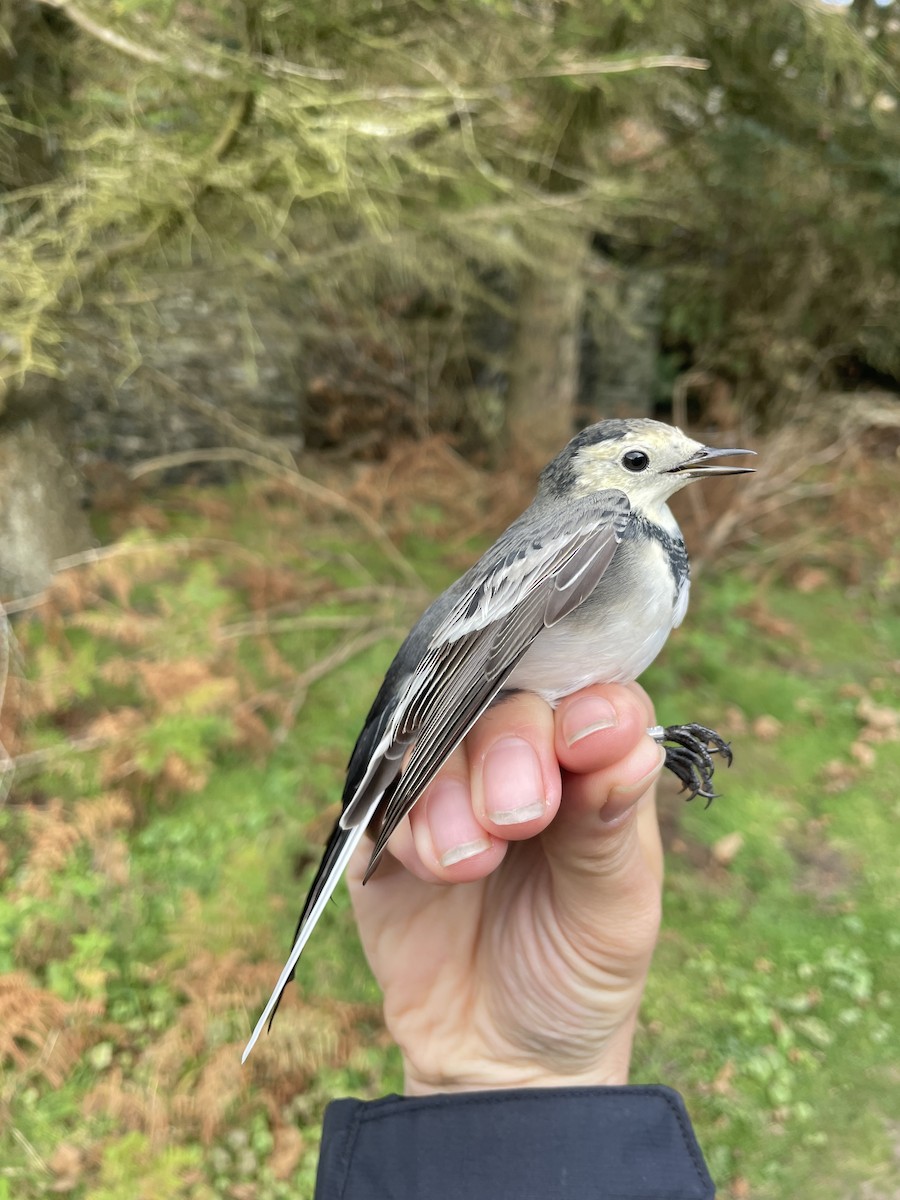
(698, 465)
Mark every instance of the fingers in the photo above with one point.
(604, 848)
(504, 784)
(600, 725)
(609, 767)
(513, 769)
(443, 841)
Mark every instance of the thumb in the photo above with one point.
(604, 849)
(608, 763)
(599, 809)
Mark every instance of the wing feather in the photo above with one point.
(464, 672)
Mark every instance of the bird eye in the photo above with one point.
(635, 460)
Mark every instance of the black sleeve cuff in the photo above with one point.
(616, 1143)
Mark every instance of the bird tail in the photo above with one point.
(337, 854)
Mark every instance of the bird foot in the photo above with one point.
(690, 757)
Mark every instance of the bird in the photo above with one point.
(584, 587)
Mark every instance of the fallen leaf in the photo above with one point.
(289, 1146)
(67, 1164)
(882, 724)
(726, 848)
(721, 1085)
(766, 728)
(810, 579)
(863, 753)
(837, 776)
(735, 721)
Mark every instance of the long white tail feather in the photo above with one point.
(385, 753)
(354, 836)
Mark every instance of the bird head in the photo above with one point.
(647, 460)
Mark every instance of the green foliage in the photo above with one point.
(131, 1170)
(160, 676)
(780, 963)
(144, 911)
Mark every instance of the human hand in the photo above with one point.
(530, 970)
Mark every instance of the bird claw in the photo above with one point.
(689, 758)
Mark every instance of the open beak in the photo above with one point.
(698, 466)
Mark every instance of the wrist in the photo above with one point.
(610, 1068)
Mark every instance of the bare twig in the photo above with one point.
(5, 653)
(612, 66)
(243, 434)
(7, 646)
(281, 66)
(776, 485)
(261, 626)
(320, 669)
(7, 773)
(143, 53)
(292, 478)
(36, 760)
(286, 619)
(30, 1151)
(188, 63)
(184, 545)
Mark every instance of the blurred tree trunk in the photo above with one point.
(620, 347)
(544, 365)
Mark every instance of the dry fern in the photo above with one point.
(188, 686)
(251, 730)
(190, 1078)
(209, 1099)
(40, 1033)
(115, 725)
(167, 682)
(53, 839)
(70, 591)
(131, 1105)
(128, 629)
(423, 472)
(94, 819)
(178, 775)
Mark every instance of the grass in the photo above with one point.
(150, 881)
(782, 968)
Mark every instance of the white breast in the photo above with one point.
(614, 635)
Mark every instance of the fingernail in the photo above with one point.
(466, 850)
(622, 798)
(513, 784)
(455, 833)
(588, 715)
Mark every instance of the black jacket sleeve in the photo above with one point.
(616, 1143)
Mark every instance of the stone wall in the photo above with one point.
(215, 363)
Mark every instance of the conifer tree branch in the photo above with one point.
(117, 41)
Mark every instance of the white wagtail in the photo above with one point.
(583, 588)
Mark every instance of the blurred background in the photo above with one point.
(296, 299)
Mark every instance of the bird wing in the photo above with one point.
(526, 584)
(448, 671)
